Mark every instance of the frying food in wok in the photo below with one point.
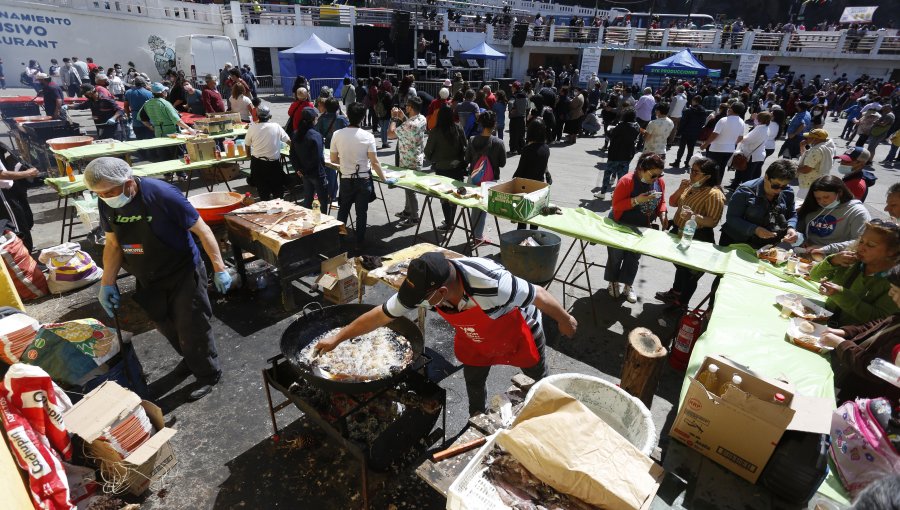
(375, 355)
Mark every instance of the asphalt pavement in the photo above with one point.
(226, 455)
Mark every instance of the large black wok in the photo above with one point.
(311, 324)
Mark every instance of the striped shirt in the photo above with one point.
(708, 201)
(493, 288)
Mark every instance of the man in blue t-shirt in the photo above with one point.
(148, 225)
(135, 97)
(53, 96)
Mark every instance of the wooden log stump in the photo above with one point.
(643, 359)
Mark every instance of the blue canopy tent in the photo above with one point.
(313, 58)
(683, 63)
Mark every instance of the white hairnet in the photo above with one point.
(107, 170)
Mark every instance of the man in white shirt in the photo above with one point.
(354, 150)
(816, 161)
(656, 135)
(263, 142)
(722, 142)
(679, 101)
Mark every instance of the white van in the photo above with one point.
(198, 55)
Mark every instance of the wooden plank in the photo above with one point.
(440, 475)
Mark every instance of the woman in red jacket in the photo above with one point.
(301, 101)
(638, 200)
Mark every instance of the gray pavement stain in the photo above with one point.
(227, 458)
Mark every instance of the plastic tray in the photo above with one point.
(471, 490)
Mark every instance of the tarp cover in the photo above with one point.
(313, 58)
(683, 63)
(483, 51)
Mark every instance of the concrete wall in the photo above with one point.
(29, 31)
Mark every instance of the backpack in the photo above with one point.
(26, 80)
(379, 106)
(482, 170)
(861, 449)
(869, 178)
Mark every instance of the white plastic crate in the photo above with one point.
(626, 414)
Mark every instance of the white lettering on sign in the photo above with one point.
(32, 28)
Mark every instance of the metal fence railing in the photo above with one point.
(316, 84)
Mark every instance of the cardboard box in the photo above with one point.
(518, 199)
(214, 126)
(104, 406)
(339, 281)
(201, 149)
(738, 431)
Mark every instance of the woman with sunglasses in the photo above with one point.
(637, 200)
(699, 197)
(830, 218)
(855, 281)
(855, 346)
(761, 211)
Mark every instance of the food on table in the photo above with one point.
(375, 355)
(808, 342)
(519, 489)
(461, 190)
(806, 327)
(802, 307)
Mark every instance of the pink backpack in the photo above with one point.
(860, 448)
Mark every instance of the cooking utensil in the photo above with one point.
(311, 324)
(453, 451)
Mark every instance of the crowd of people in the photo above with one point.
(469, 130)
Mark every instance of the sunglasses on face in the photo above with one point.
(777, 186)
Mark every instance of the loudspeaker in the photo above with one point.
(520, 34)
(400, 27)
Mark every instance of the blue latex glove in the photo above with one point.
(109, 298)
(111, 121)
(390, 181)
(65, 107)
(223, 281)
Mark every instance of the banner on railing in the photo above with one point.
(590, 62)
(858, 14)
(748, 63)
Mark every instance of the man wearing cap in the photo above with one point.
(162, 117)
(497, 316)
(53, 96)
(816, 161)
(105, 111)
(148, 226)
(851, 167)
(212, 99)
(263, 142)
(518, 110)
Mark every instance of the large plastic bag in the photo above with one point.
(73, 352)
(70, 267)
(29, 280)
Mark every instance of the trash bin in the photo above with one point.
(626, 414)
(534, 264)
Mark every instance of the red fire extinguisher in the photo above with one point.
(690, 327)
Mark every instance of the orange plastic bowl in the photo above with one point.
(67, 142)
(32, 118)
(213, 206)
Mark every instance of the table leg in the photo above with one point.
(425, 205)
(62, 231)
(187, 188)
(561, 262)
(239, 260)
(383, 201)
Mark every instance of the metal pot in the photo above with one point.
(313, 323)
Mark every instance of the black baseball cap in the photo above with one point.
(423, 276)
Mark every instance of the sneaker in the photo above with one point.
(676, 164)
(443, 227)
(613, 290)
(409, 221)
(402, 214)
(205, 387)
(600, 195)
(630, 296)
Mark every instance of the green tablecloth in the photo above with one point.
(102, 149)
(746, 326)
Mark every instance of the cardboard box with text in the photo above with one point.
(339, 281)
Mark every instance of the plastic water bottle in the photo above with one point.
(885, 370)
(687, 233)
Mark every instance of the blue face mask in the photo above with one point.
(118, 201)
(845, 169)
